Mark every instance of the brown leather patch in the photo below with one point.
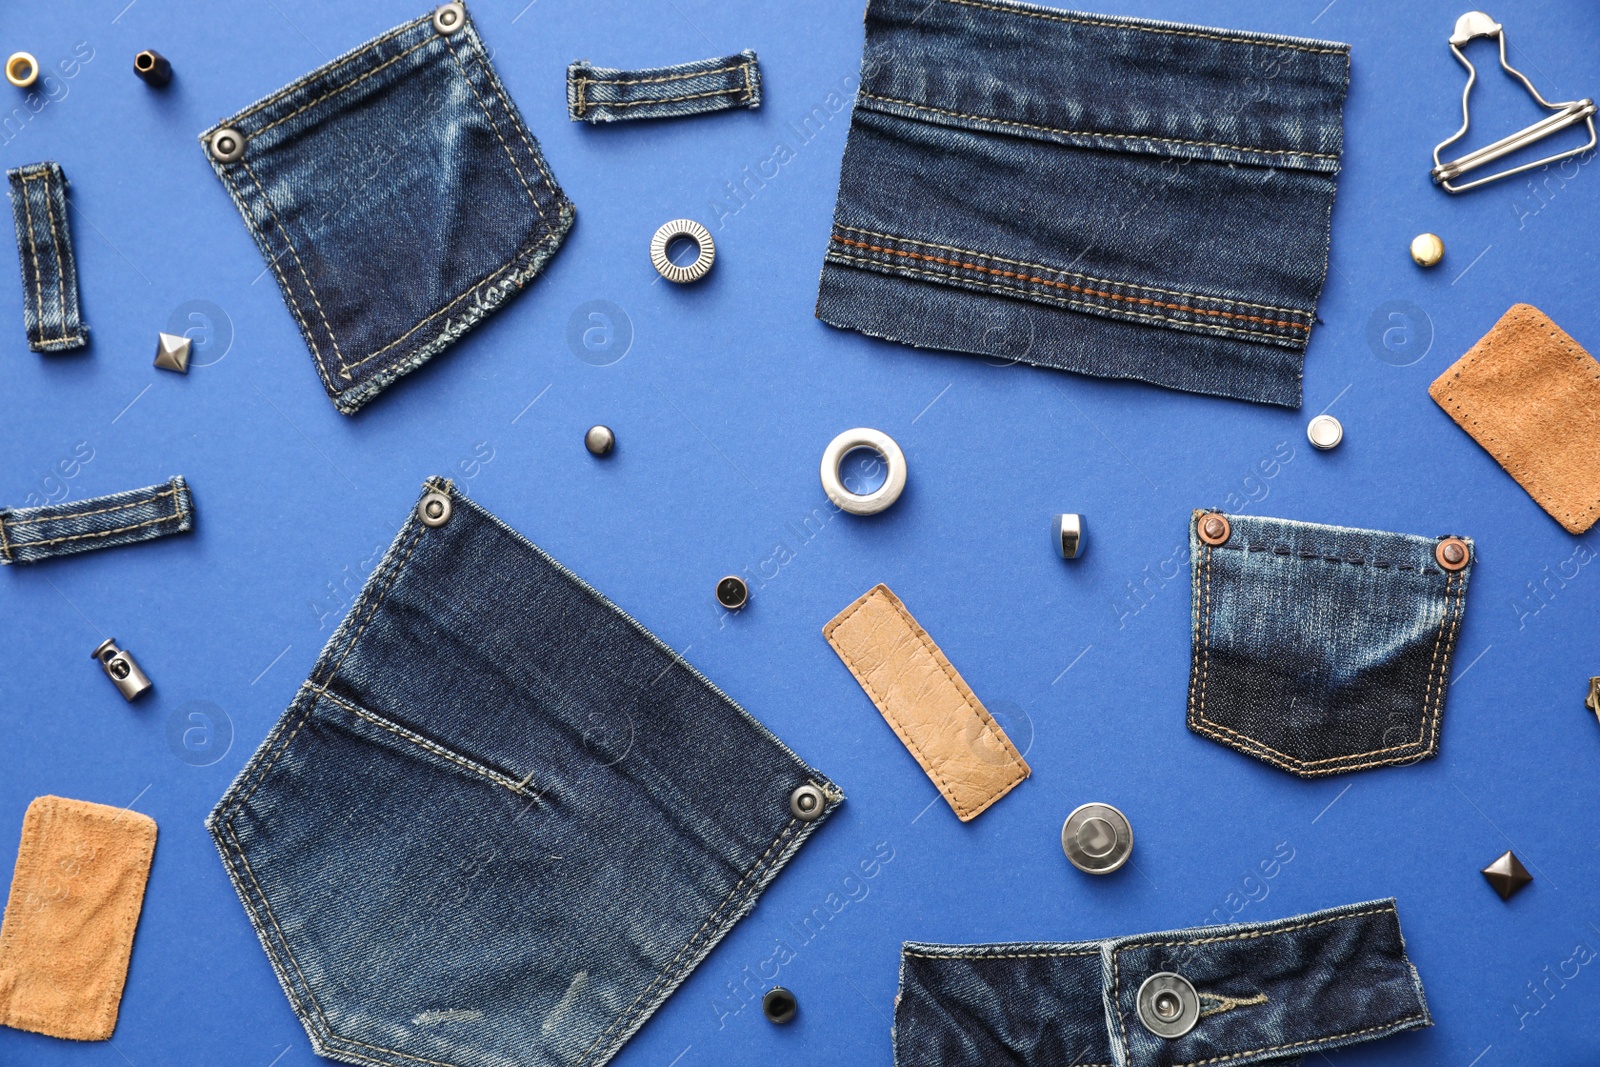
(1530, 395)
(931, 708)
(74, 904)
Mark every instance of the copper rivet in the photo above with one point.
(1452, 554)
(1214, 529)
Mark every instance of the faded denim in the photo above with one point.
(600, 94)
(28, 535)
(1270, 993)
(1115, 197)
(50, 311)
(1322, 649)
(501, 822)
(398, 198)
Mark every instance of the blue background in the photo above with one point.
(723, 399)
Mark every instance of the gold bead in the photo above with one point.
(1427, 249)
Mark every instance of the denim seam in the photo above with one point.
(1389, 1027)
(1279, 550)
(1226, 1004)
(98, 511)
(1172, 31)
(666, 78)
(1079, 305)
(737, 92)
(360, 52)
(55, 243)
(1248, 149)
(288, 239)
(1070, 287)
(521, 130)
(33, 254)
(1007, 956)
(5, 542)
(495, 126)
(344, 86)
(98, 533)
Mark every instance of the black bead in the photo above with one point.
(779, 1005)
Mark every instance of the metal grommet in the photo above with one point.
(599, 440)
(1168, 1005)
(227, 145)
(779, 1005)
(1097, 838)
(22, 70)
(695, 232)
(1453, 554)
(894, 481)
(1324, 432)
(1068, 535)
(448, 18)
(434, 509)
(1214, 528)
(733, 593)
(1427, 249)
(153, 67)
(807, 802)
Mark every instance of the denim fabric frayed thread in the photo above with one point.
(600, 94)
(50, 309)
(28, 535)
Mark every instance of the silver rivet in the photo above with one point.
(807, 802)
(121, 668)
(600, 440)
(227, 145)
(693, 231)
(434, 510)
(1097, 838)
(448, 18)
(1068, 537)
(1324, 432)
(1168, 1005)
(733, 593)
(1427, 249)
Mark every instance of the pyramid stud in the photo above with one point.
(1507, 875)
(1593, 703)
(172, 353)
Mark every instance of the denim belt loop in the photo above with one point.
(50, 309)
(28, 535)
(600, 94)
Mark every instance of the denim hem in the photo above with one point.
(600, 94)
(50, 309)
(29, 535)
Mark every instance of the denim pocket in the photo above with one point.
(398, 198)
(1322, 649)
(1116, 197)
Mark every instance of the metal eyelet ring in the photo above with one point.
(1453, 554)
(1168, 1005)
(695, 232)
(22, 70)
(448, 18)
(1214, 529)
(807, 803)
(894, 482)
(227, 145)
(434, 509)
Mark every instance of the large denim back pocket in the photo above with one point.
(397, 197)
(1116, 197)
(1322, 649)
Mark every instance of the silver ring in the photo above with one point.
(880, 498)
(227, 145)
(695, 232)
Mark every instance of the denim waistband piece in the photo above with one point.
(501, 822)
(1269, 992)
(1116, 197)
(28, 535)
(599, 94)
(50, 310)
(399, 199)
(1322, 649)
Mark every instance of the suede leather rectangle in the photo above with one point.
(931, 708)
(69, 923)
(1530, 395)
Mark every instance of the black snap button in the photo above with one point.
(779, 1005)
(733, 593)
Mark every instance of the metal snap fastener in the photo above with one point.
(227, 145)
(807, 802)
(1427, 249)
(1097, 838)
(733, 593)
(1168, 1005)
(894, 481)
(1324, 432)
(122, 669)
(1214, 528)
(22, 70)
(1068, 535)
(434, 509)
(779, 1005)
(693, 231)
(600, 440)
(1453, 554)
(153, 67)
(448, 18)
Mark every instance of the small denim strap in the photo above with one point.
(28, 535)
(49, 270)
(597, 94)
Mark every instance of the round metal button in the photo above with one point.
(1324, 432)
(1068, 535)
(1168, 1005)
(1097, 838)
(894, 482)
(779, 1005)
(22, 70)
(600, 440)
(1214, 528)
(434, 509)
(227, 145)
(807, 802)
(1453, 554)
(733, 593)
(693, 231)
(448, 18)
(1427, 249)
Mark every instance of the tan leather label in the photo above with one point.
(934, 712)
(1530, 395)
(68, 931)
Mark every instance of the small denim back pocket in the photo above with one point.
(1322, 649)
(397, 196)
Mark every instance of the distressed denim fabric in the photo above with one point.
(599, 94)
(501, 822)
(1270, 993)
(399, 200)
(1322, 649)
(1115, 197)
(50, 311)
(28, 535)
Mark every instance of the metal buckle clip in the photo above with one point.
(1476, 24)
